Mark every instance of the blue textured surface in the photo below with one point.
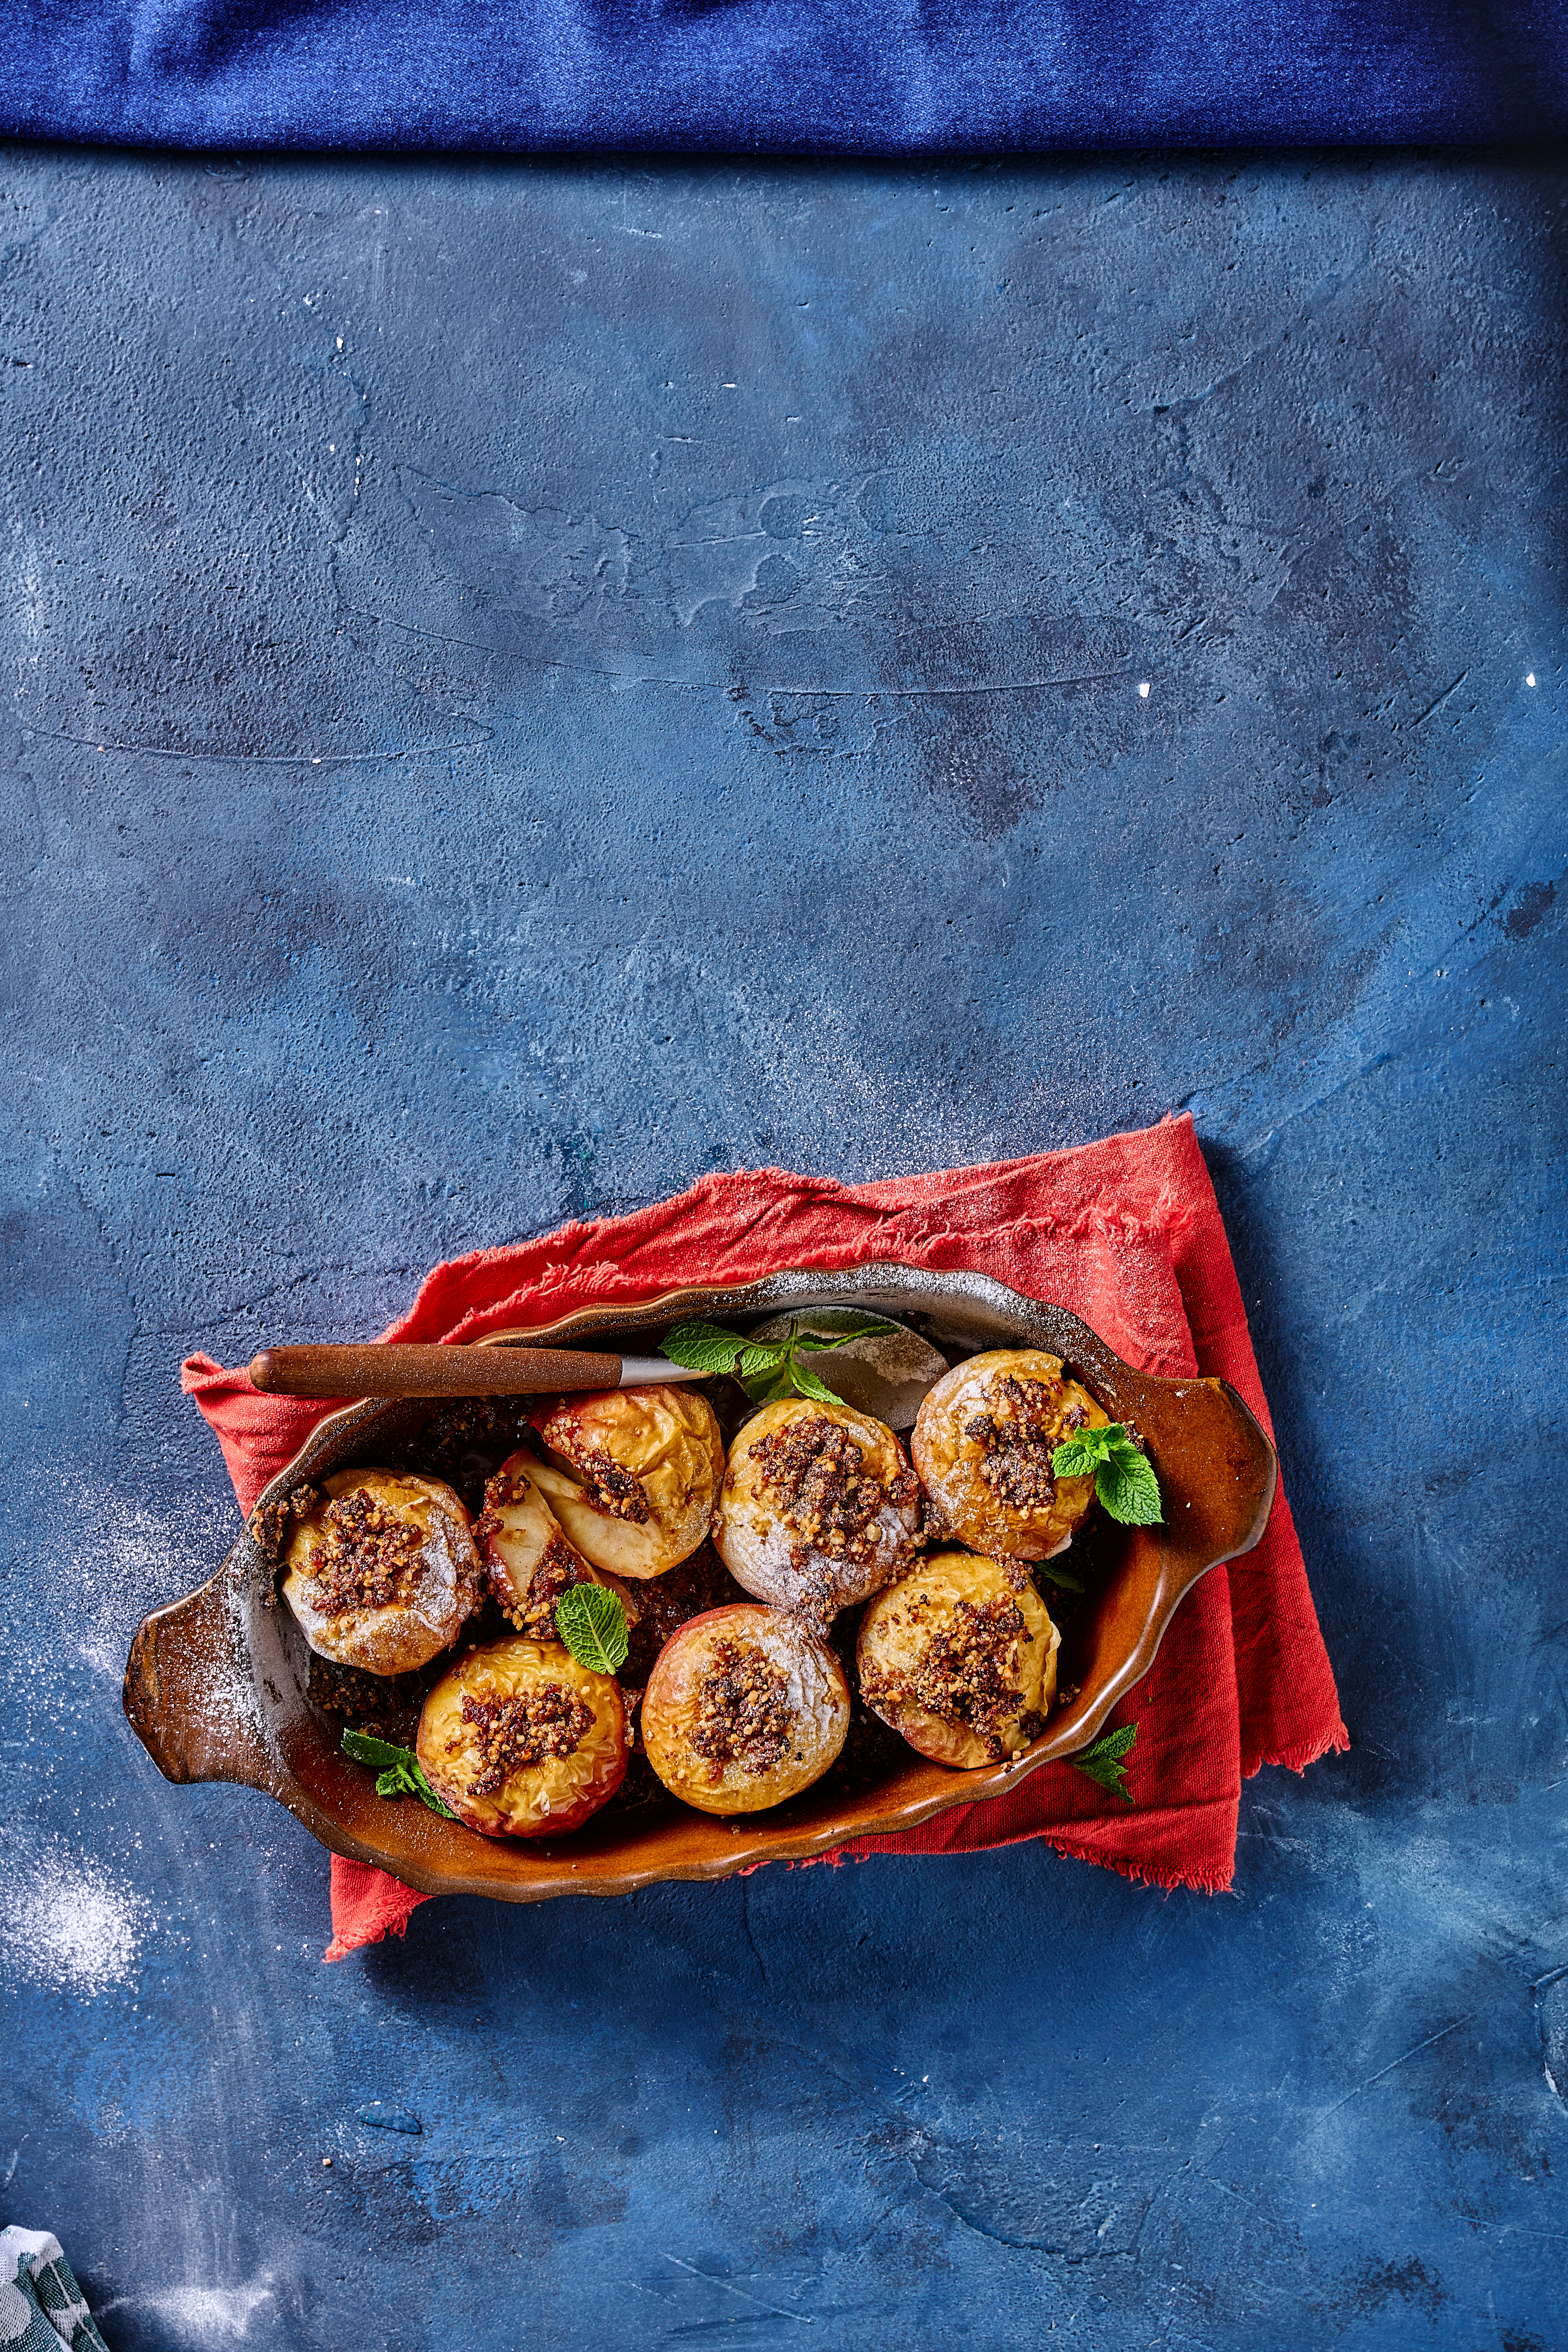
(870, 76)
(526, 684)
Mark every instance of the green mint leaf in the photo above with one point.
(379, 1752)
(703, 1346)
(1056, 1574)
(418, 1786)
(806, 1385)
(1123, 1477)
(1106, 1762)
(592, 1622)
(755, 1359)
(767, 1386)
(399, 1772)
(1129, 1489)
(1084, 1451)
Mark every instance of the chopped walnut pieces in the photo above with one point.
(515, 1733)
(742, 1712)
(617, 1493)
(1019, 1436)
(966, 1674)
(555, 1572)
(365, 1556)
(271, 1526)
(818, 1473)
(500, 1492)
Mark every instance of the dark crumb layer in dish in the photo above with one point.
(744, 1714)
(465, 1442)
(965, 1673)
(386, 1705)
(515, 1733)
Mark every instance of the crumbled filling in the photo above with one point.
(555, 1572)
(500, 1493)
(365, 1556)
(966, 1674)
(387, 1706)
(272, 1527)
(817, 1474)
(743, 1711)
(1026, 1423)
(617, 1493)
(512, 1734)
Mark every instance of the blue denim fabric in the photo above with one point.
(870, 77)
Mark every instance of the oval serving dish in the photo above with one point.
(215, 1688)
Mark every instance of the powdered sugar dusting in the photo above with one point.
(126, 1557)
(68, 1923)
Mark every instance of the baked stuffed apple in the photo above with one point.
(633, 1474)
(960, 1656)
(744, 1709)
(382, 1571)
(529, 1562)
(819, 1508)
(982, 1447)
(521, 1741)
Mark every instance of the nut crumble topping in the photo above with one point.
(743, 1715)
(515, 1733)
(1019, 1435)
(270, 1526)
(826, 1495)
(555, 1572)
(617, 1493)
(365, 1557)
(967, 1672)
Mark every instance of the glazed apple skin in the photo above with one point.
(894, 1635)
(758, 1539)
(528, 1560)
(441, 1585)
(965, 1506)
(816, 1692)
(661, 1446)
(546, 1798)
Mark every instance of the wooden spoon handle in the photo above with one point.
(379, 1371)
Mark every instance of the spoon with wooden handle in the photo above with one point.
(391, 1371)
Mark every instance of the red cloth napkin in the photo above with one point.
(1127, 1234)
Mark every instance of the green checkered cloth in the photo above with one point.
(41, 2306)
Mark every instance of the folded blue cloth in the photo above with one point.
(783, 77)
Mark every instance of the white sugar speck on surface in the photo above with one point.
(1143, 688)
(201, 2314)
(132, 1556)
(1529, 680)
(68, 1923)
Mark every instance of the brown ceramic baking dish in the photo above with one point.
(215, 1684)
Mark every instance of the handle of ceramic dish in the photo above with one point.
(188, 1692)
(1216, 1511)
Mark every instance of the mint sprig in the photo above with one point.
(397, 1769)
(1123, 1476)
(1106, 1761)
(769, 1369)
(592, 1621)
